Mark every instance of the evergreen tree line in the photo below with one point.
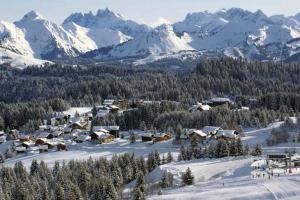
(27, 95)
(161, 117)
(91, 179)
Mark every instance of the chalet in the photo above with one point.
(114, 109)
(101, 136)
(199, 107)
(226, 135)
(147, 137)
(161, 137)
(24, 138)
(113, 130)
(78, 125)
(45, 134)
(50, 144)
(21, 148)
(219, 102)
(102, 113)
(40, 141)
(199, 134)
(56, 134)
(211, 130)
(61, 147)
(108, 102)
(13, 135)
(2, 139)
(2, 133)
(67, 130)
(82, 138)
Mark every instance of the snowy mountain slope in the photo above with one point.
(48, 40)
(161, 40)
(13, 39)
(19, 61)
(96, 38)
(235, 29)
(108, 19)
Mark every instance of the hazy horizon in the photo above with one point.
(140, 11)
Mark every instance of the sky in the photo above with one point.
(143, 11)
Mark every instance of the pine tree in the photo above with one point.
(239, 147)
(169, 157)
(110, 191)
(233, 148)
(59, 192)
(166, 180)
(132, 138)
(258, 150)
(187, 177)
(157, 160)
(139, 190)
(246, 150)
(34, 167)
(224, 150)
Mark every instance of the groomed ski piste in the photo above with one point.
(224, 178)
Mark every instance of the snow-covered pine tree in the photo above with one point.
(169, 157)
(187, 177)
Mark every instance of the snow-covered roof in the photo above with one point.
(2, 133)
(102, 113)
(83, 137)
(24, 137)
(114, 107)
(108, 128)
(226, 133)
(101, 134)
(108, 102)
(56, 133)
(43, 134)
(210, 129)
(198, 132)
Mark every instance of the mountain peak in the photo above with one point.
(107, 13)
(32, 15)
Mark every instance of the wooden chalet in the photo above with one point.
(211, 130)
(40, 141)
(147, 137)
(113, 130)
(161, 137)
(219, 102)
(102, 136)
(24, 138)
(199, 134)
(61, 147)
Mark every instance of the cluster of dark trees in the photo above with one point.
(90, 179)
(272, 87)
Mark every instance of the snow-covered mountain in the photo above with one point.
(49, 40)
(107, 35)
(236, 32)
(106, 19)
(161, 40)
(95, 38)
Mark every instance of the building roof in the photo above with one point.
(198, 132)
(226, 133)
(43, 134)
(24, 137)
(108, 128)
(220, 100)
(108, 102)
(102, 113)
(210, 129)
(101, 135)
(56, 133)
